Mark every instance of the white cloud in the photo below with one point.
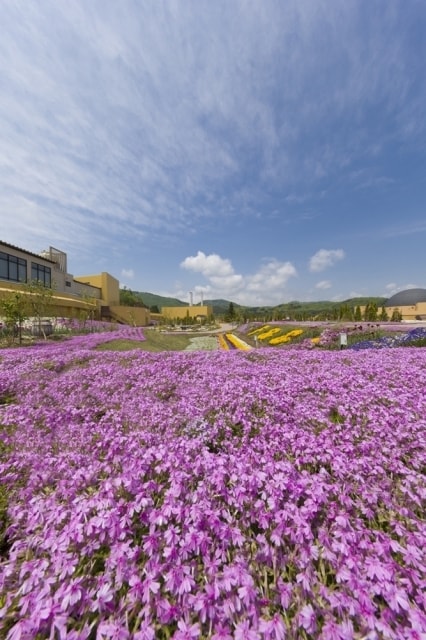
(211, 265)
(127, 273)
(392, 288)
(323, 284)
(265, 286)
(227, 283)
(151, 121)
(271, 277)
(325, 258)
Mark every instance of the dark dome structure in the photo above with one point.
(407, 298)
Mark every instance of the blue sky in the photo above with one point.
(255, 150)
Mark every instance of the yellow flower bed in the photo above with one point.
(222, 342)
(239, 344)
(269, 334)
(295, 333)
(287, 337)
(279, 340)
(265, 327)
(315, 340)
(266, 332)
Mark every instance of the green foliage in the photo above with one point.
(14, 307)
(155, 342)
(230, 315)
(346, 312)
(396, 316)
(420, 342)
(39, 299)
(321, 310)
(383, 315)
(371, 311)
(89, 312)
(129, 298)
(151, 299)
(294, 310)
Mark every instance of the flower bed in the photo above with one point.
(237, 342)
(287, 337)
(206, 343)
(212, 495)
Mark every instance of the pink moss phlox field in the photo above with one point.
(246, 495)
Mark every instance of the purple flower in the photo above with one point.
(307, 618)
(274, 628)
(244, 632)
(186, 631)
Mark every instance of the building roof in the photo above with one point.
(29, 253)
(407, 298)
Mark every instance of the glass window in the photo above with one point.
(40, 273)
(22, 270)
(4, 271)
(12, 268)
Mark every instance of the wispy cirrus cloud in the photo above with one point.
(122, 114)
(141, 125)
(408, 229)
(323, 284)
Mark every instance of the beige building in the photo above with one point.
(197, 312)
(411, 304)
(97, 295)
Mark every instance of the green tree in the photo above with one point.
(231, 315)
(88, 312)
(396, 316)
(129, 298)
(40, 305)
(371, 311)
(345, 312)
(383, 315)
(358, 316)
(14, 308)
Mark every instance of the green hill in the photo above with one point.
(152, 299)
(220, 306)
(295, 309)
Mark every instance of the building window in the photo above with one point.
(12, 268)
(42, 274)
(67, 283)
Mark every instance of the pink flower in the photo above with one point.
(243, 632)
(274, 628)
(307, 618)
(186, 632)
(221, 633)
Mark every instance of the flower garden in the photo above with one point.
(366, 336)
(263, 494)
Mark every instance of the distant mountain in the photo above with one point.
(152, 299)
(220, 306)
(291, 309)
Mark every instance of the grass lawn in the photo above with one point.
(154, 342)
